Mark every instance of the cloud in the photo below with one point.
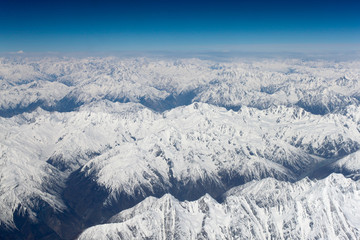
(20, 52)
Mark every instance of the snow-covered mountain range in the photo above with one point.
(179, 149)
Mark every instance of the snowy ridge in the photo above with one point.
(250, 144)
(265, 209)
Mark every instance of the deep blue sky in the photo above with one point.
(94, 25)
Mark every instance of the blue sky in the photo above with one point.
(81, 26)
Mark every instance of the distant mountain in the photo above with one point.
(64, 84)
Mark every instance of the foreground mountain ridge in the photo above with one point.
(265, 209)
